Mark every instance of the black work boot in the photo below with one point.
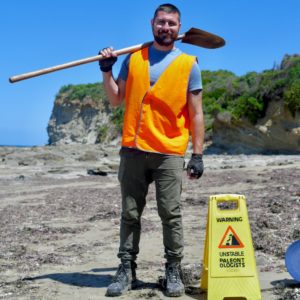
(123, 280)
(173, 283)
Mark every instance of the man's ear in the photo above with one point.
(152, 22)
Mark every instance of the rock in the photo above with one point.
(89, 156)
(296, 234)
(58, 171)
(191, 274)
(96, 172)
(277, 132)
(289, 294)
(262, 260)
(25, 162)
(83, 121)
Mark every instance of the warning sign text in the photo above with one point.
(232, 259)
(230, 219)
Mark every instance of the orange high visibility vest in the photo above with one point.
(156, 118)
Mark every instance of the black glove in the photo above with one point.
(195, 166)
(107, 63)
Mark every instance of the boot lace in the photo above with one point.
(121, 274)
(173, 274)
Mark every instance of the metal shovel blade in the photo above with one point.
(203, 39)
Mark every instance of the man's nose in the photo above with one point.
(166, 26)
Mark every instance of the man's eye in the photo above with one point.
(162, 23)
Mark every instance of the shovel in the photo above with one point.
(193, 36)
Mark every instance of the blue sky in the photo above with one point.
(36, 34)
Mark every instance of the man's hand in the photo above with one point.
(195, 166)
(108, 61)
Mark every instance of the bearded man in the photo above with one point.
(162, 90)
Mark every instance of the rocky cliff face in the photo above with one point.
(277, 132)
(74, 122)
(256, 113)
(87, 122)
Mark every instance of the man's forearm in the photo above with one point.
(196, 120)
(112, 89)
(197, 131)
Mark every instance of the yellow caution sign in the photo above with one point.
(229, 261)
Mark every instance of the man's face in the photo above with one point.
(165, 28)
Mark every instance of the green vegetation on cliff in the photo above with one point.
(248, 96)
(244, 97)
(81, 92)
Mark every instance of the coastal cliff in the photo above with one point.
(81, 115)
(253, 113)
(278, 132)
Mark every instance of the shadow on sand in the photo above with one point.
(99, 280)
(82, 279)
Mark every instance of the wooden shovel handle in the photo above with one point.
(75, 63)
(194, 36)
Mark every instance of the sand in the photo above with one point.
(60, 212)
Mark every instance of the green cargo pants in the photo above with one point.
(137, 170)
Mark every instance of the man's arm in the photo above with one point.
(196, 120)
(195, 166)
(115, 89)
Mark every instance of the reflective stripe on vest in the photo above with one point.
(156, 118)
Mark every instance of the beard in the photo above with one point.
(165, 39)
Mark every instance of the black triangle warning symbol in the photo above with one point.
(230, 239)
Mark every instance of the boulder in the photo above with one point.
(277, 132)
(77, 122)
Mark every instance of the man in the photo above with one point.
(162, 89)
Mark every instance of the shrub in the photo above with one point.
(248, 107)
(117, 117)
(102, 133)
(292, 96)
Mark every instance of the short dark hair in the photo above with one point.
(168, 8)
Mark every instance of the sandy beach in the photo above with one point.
(60, 211)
